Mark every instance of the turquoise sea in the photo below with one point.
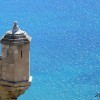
(65, 47)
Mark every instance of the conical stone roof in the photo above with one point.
(15, 36)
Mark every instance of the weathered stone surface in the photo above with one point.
(12, 90)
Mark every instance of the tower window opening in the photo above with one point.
(21, 53)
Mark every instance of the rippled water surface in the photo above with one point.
(65, 47)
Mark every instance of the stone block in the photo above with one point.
(15, 51)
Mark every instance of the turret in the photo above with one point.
(15, 63)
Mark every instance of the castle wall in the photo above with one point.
(5, 64)
(15, 66)
(22, 63)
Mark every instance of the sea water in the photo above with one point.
(65, 47)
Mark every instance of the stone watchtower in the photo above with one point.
(14, 64)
